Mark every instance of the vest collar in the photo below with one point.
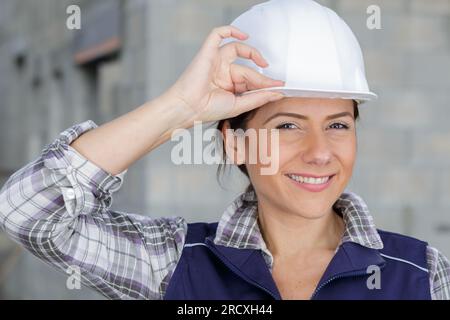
(248, 264)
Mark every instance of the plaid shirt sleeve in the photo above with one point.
(439, 268)
(57, 207)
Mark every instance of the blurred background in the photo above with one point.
(130, 51)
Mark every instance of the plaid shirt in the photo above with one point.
(57, 207)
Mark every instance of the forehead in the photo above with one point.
(310, 107)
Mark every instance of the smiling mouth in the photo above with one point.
(309, 180)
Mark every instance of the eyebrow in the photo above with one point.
(300, 116)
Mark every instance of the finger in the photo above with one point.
(255, 100)
(219, 33)
(231, 51)
(245, 78)
(240, 87)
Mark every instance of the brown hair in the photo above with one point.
(240, 122)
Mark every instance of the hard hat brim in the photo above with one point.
(359, 96)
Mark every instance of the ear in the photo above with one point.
(234, 144)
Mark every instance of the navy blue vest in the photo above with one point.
(209, 271)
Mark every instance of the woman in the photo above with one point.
(293, 235)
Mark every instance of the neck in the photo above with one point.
(288, 234)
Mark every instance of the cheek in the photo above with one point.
(264, 161)
(262, 149)
(267, 186)
(289, 156)
(347, 153)
(346, 156)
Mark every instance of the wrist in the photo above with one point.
(164, 114)
(172, 111)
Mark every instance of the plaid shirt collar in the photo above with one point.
(238, 227)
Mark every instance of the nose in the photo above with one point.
(317, 150)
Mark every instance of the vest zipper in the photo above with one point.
(232, 268)
(358, 273)
(346, 275)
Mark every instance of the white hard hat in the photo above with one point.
(308, 46)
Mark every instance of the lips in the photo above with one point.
(310, 182)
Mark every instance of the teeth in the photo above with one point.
(308, 180)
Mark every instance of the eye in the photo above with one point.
(287, 126)
(339, 126)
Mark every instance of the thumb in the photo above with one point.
(255, 100)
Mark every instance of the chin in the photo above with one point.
(312, 213)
